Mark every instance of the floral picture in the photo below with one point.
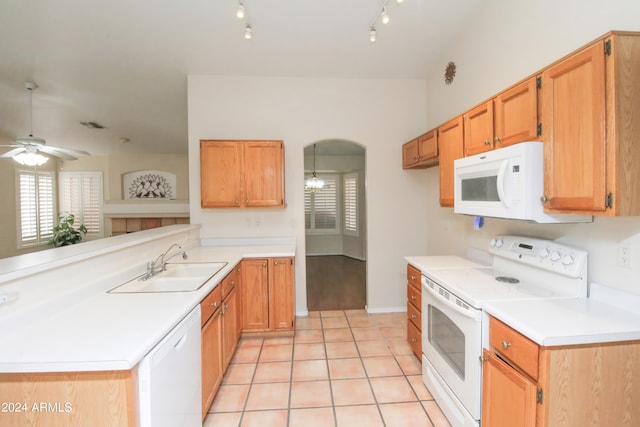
(149, 184)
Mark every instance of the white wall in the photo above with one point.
(505, 42)
(378, 114)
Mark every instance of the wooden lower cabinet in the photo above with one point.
(229, 327)
(211, 359)
(414, 310)
(564, 386)
(60, 399)
(267, 294)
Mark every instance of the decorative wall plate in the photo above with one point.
(449, 73)
(149, 184)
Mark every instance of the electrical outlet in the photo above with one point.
(624, 256)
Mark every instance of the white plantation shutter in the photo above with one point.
(36, 207)
(321, 207)
(81, 195)
(350, 195)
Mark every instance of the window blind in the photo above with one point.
(36, 207)
(351, 204)
(81, 195)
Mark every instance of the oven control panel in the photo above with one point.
(545, 254)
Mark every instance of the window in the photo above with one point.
(321, 207)
(350, 204)
(81, 195)
(36, 207)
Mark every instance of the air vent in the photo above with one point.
(92, 125)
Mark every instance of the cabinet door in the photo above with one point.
(410, 154)
(516, 114)
(573, 110)
(428, 148)
(281, 294)
(211, 360)
(478, 129)
(451, 147)
(229, 327)
(255, 294)
(508, 397)
(220, 174)
(264, 173)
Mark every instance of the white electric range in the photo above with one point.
(453, 329)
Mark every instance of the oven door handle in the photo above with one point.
(466, 313)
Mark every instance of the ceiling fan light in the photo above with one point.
(30, 159)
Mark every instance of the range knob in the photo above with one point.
(543, 253)
(499, 243)
(567, 260)
(555, 256)
(492, 243)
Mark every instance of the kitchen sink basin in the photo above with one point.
(183, 277)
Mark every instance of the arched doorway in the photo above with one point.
(335, 226)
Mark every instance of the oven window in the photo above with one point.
(483, 189)
(447, 339)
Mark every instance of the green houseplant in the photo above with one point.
(64, 233)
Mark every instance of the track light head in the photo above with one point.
(384, 16)
(248, 32)
(372, 35)
(240, 11)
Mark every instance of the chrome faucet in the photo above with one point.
(160, 263)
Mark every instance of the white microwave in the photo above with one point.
(505, 183)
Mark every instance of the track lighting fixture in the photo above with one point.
(382, 16)
(241, 13)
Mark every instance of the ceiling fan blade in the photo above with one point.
(69, 151)
(30, 140)
(13, 152)
(55, 152)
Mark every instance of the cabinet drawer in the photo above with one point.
(414, 315)
(413, 276)
(515, 347)
(229, 282)
(414, 296)
(210, 304)
(415, 339)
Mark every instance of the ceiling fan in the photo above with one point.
(26, 148)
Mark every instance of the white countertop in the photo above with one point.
(567, 321)
(423, 263)
(108, 331)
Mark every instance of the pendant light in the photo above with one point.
(314, 183)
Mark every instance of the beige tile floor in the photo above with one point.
(341, 369)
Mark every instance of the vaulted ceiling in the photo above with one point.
(124, 64)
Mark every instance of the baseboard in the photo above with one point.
(387, 310)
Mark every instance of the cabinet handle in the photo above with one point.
(226, 306)
(413, 316)
(232, 283)
(413, 277)
(486, 142)
(214, 304)
(496, 139)
(544, 199)
(237, 202)
(482, 359)
(413, 297)
(264, 264)
(275, 262)
(506, 344)
(413, 340)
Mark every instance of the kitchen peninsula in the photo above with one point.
(73, 349)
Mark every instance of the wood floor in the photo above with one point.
(335, 282)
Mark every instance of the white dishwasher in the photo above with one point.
(169, 378)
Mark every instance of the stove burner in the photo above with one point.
(507, 279)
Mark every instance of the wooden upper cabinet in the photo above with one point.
(421, 152)
(241, 173)
(591, 131)
(573, 125)
(510, 117)
(451, 147)
(220, 173)
(478, 129)
(515, 114)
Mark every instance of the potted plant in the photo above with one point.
(64, 233)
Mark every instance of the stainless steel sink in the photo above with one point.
(183, 277)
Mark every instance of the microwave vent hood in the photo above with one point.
(506, 183)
